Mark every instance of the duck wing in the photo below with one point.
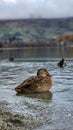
(27, 85)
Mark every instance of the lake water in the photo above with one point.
(54, 108)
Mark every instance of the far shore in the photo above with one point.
(45, 46)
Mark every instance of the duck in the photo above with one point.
(39, 83)
(62, 63)
(11, 59)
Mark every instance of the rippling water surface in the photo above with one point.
(54, 108)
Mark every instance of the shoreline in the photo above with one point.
(16, 121)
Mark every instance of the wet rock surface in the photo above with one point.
(12, 121)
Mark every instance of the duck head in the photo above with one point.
(42, 73)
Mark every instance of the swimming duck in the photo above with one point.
(42, 82)
(11, 59)
(62, 63)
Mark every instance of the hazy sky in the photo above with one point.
(35, 8)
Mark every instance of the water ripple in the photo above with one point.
(55, 108)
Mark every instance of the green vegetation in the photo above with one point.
(35, 29)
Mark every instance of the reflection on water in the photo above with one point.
(36, 52)
(54, 108)
(45, 96)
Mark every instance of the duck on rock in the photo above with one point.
(42, 82)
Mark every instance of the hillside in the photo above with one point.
(35, 29)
